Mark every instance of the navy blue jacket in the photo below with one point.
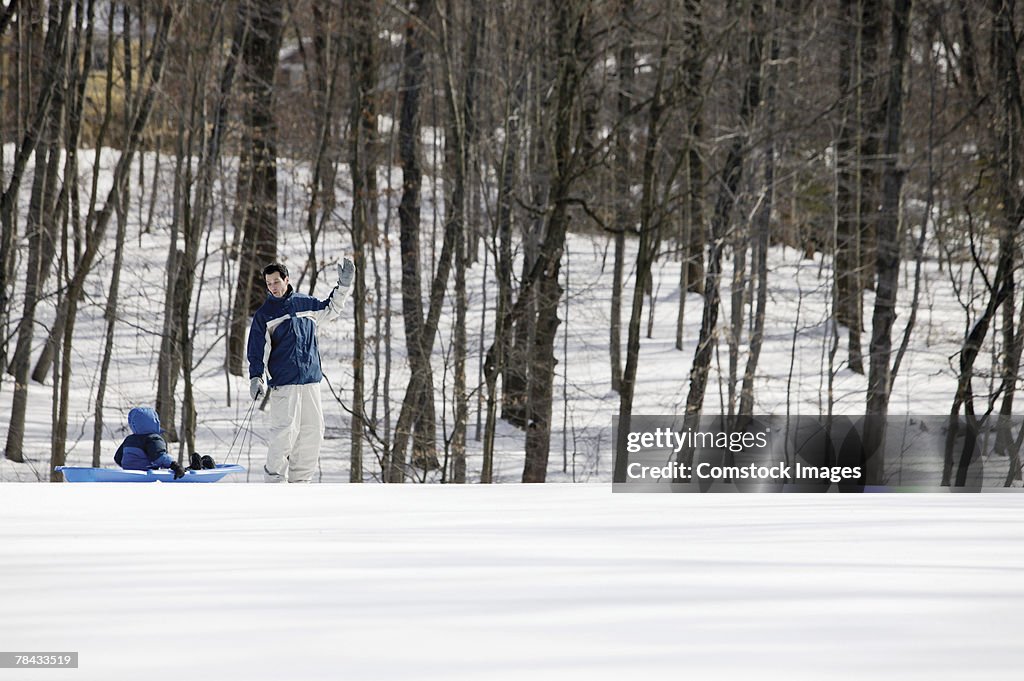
(144, 448)
(282, 337)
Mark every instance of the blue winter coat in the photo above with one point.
(144, 448)
(282, 337)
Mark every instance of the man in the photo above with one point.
(282, 345)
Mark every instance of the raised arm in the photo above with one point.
(330, 309)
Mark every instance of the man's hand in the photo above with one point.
(178, 471)
(256, 389)
(346, 272)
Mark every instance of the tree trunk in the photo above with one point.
(110, 318)
(259, 57)
(325, 77)
(494, 365)
(887, 252)
(871, 109)
(169, 362)
(50, 87)
(413, 70)
(97, 223)
(1010, 127)
(458, 141)
(568, 25)
(762, 228)
(41, 230)
(652, 215)
(693, 87)
(195, 212)
(521, 329)
(363, 169)
(737, 294)
(1006, 165)
(113, 292)
(623, 181)
(847, 242)
(731, 174)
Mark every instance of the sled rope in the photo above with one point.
(247, 419)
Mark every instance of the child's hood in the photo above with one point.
(143, 421)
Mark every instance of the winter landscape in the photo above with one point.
(496, 327)
(560, 213)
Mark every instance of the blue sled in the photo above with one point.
(74, 474)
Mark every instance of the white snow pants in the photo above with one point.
(296, 432)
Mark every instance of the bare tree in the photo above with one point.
(459, 139)
(259, 58)
(113, 292)
(1006, 115)
(761, 224)
(656, 205)
(326, 61)
(494, 364)
(48, 89)
(363, 169)
(728, 183)
(63, 328)
(570, 20)
(847, 241)
(413, 70)
(888, 249)
(624, 218)
(692, 239)
(41, 226)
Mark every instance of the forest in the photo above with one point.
(560, 211)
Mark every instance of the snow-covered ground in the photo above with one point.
(512, 582)
(375, 582)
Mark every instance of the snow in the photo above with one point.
(376, 582)
(381, 582)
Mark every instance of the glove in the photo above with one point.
(346, 271)
(178, 471)
(256, 389)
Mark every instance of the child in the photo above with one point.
(145, 449)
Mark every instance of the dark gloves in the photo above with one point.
(178, 471)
